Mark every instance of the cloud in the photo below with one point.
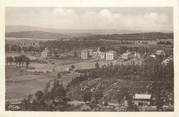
(73, 18)
(63, 12)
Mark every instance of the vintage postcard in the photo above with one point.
(89, 59)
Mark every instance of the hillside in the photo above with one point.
(35, 34)
(18, 28)
(45, 33)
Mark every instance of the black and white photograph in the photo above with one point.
(89, 59)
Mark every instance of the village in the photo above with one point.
(93, 79)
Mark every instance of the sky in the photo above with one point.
(118, 18)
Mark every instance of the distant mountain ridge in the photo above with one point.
(45, 33)
(18, 28)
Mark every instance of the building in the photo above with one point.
(130, 55)
(45, 53)
(137, 55)
(84, 54)
(102, 55)
(152, 55)
(126, 55)
(94, 55)
(146, 41)
(167, 60)
(142, 99)
(89, 53)
(160, 52)
(131, 62)
(98, 54)
(111, 55)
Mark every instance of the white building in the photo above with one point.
(84, 54)
(160, 52)
(110, 55)
(126, 55)
(98, 54)
(137, 55)
(142, 99)
(152, 55)
(167, 60)
(90, 51)
(45, 53)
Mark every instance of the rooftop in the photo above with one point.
(142, 96)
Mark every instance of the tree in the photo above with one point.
(87, 95)
(27, 61)
(98, 94)
(59, 75)
(72, 66)
(103, 49)
(75, 54)
(9, 60)
(97, 65)
(39, 95)
(59, 91)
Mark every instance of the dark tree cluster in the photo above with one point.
(164, 43)
(18, 60)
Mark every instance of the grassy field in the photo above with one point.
(20, 83)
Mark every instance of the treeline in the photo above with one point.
(78, 45)
(73, 44)
(165, 43)
(133, 36)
